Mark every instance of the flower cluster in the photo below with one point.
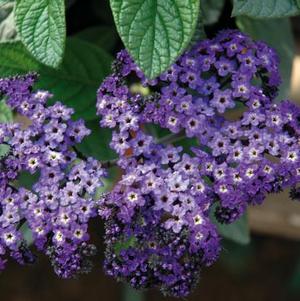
(61, 202)
(159, 212)
(158, 228)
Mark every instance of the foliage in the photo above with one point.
(155, 32)
(41, 25)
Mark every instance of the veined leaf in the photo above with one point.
(42, 29)
(265, 8)
(155, 32)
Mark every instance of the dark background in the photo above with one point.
(267, 269)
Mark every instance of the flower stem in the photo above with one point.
(172, 138)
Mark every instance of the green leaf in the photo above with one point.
(7, 28)
(131, 294)
(3, 2)
(265, 8)
(4, 150)
(5, 116)
(26, 179)
(5, 113)
(278, 34)
(102, 36)
(298, 3)
(238, 231)
(27, 234)
(7, 24)
(211, 10)
(124, 245)
(97, 143)
(155, 32)
(75, 82)
(42, 29)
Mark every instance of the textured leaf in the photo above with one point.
(42, 29)
(155, 32)
(102, 36)
(75, 82)
(278, 34)
(211, 10)
(265, 8)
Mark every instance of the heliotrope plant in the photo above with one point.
(158, 228)
(161, 206)
(61, 202)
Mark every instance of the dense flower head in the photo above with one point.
(61, 202)
(234, 162)
(160, 206)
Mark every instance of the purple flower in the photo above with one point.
(61, 202)
(163, 236)
(222, 100)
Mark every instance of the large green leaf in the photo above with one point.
(265, 8)
(155, 32)
(278, 34)
(42, 28)
(75, 82)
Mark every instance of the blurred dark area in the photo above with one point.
(266, 269)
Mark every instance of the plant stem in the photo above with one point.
(169, 139)
(104, 164)
(109, 163)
